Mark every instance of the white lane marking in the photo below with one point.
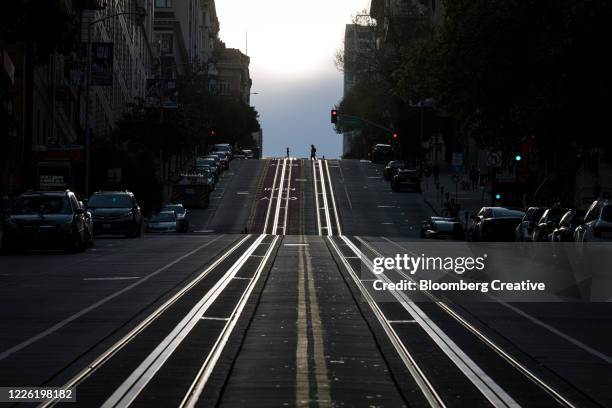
(485, 384)
(131, 387)
(535, 320)
(222, 319)
(348, 198)
(324, 193)
(204, 231)
(385, 206)
(316, 191)
(295, 245)
(265, 228)
(99, 303)
(331, 190)
(112, 278)
(280, 198)
(242, 193)
(196, 388)
(288, 198)
(300, 179)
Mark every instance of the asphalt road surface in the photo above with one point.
(267, 301)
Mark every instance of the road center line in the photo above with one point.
(323, 392)
(302, 384)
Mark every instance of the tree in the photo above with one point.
(507, 69)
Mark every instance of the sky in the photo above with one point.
(292, 66)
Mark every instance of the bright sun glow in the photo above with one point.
(287, 37)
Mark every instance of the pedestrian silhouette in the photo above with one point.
(287, 152)
(436, 173)
(313, 152)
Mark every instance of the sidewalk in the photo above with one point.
(469, 200)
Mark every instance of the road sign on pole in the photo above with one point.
(494, 159)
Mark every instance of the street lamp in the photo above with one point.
(87, 92)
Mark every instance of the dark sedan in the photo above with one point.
(47, 220)
(406, 179)
(495, 224)
(116, 212)
(392, 167)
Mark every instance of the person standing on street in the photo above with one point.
(313, 152)
(287, 152)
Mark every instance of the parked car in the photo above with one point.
(48, 219)
(208, 162)
(392, 167)
(182, 216)
(597, 225)
(224, 159)
(442, 227)
(524, 231)
(209, 177)
(164, 221)
(115, 212)
(567, 226)
(406, 179)
(547, 224)
(382, 153)
(239, 155)
(495, 224)
(250, 154)
(222, 147)
(217, 160)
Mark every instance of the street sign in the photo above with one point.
(494, 159)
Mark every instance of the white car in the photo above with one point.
(597, 225)
(164, 221)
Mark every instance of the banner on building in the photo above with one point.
(102, 64)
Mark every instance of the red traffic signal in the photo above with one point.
(395, 136)
(212, 133)
(334, 116)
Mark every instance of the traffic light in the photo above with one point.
(395, 136)
(518, 158)
(334, 116)
(498, 196)
(213, 133)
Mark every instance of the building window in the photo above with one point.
(166, 43)
(223, 87)
(163, 3)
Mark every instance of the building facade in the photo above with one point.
(120, 79)
(359, 47)
(229, 74)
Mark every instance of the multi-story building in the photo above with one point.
(128, 26)
(359, 48)
(185, 33)
(229, 77)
